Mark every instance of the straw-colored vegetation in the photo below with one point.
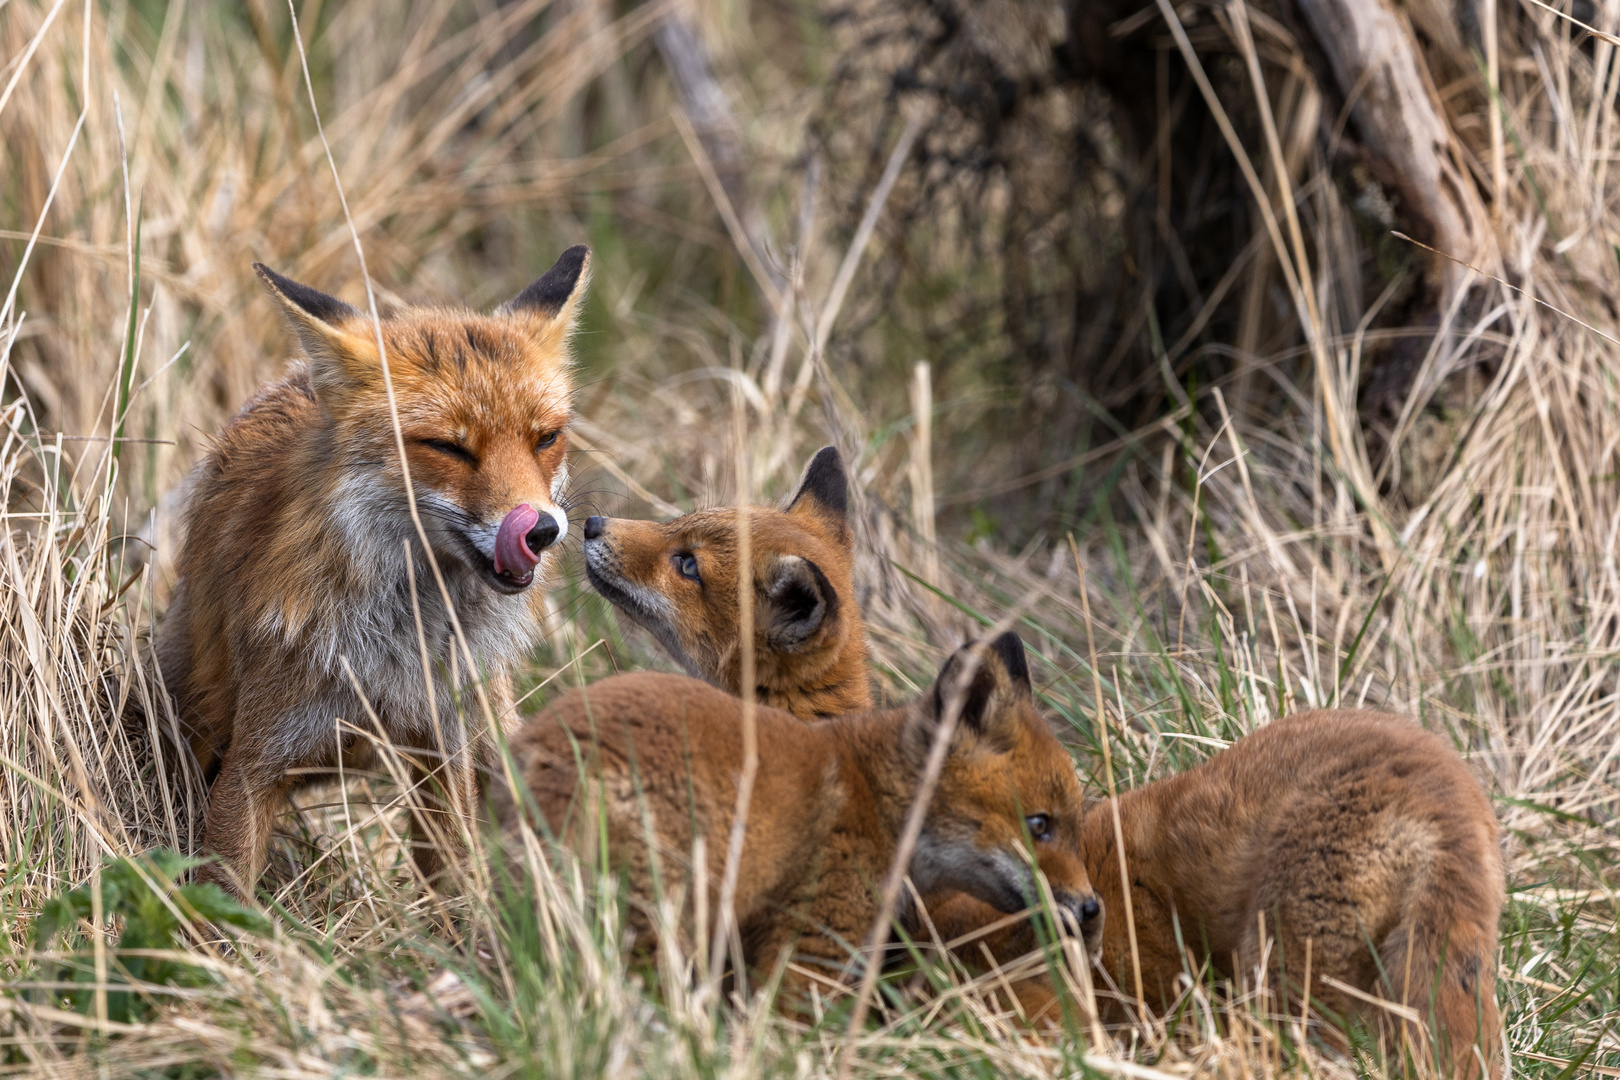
(1314, 471)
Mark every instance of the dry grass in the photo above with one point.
(1239, 562)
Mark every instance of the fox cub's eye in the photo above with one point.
(1040, 826)
(686, 566)
(451, 449)
(548, 439)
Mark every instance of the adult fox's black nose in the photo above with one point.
(543, 535)
(594, 526)
(1090, 908)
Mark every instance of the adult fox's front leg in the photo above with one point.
(241, 808)
(449, 792)
(443, 801)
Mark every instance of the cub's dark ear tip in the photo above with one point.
(825, 482)
(1010, 647)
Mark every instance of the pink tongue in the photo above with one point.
(512, 554)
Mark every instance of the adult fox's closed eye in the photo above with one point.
(294, 595)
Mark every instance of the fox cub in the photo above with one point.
(678, 579)
(294, 593)
(649, 762)
(1357, 842)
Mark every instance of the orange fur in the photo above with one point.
(293, 583)
(663, 753)
(1357, 834)
(809, 638)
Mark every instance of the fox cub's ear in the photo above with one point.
(553, 299)
(797, 603)
(984, 681)
(823, 490)
(341, 352)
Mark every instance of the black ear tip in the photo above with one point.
(550, 293)
(828, 457)
(1010, 647)
(824, 481)
(313, 302)
(569, 265)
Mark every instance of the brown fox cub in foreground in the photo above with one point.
(678, 579)
(294, 574)
(1364, 844)
(661, 758)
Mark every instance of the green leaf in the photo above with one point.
(212, 903)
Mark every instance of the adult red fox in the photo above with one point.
(679, 579)
(649, 762)
(1349, 845)
(294, 594)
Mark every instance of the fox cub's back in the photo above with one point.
(1355, 834)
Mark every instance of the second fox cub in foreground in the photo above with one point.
(650, 762)
(295, 605)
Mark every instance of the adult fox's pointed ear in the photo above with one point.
(551, 303)
(798, 601)
(336, 338)
(983, 683)
(823, 491)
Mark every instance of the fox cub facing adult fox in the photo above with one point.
(294, 588)
(649, 762)
(679, 580)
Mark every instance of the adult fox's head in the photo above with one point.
(680, 578)
(1008, 799)
(483, 403)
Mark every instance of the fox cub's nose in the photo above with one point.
(594, 526)
(543, 535)
(1085, 910)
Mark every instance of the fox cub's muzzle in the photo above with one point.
(1081, 915)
